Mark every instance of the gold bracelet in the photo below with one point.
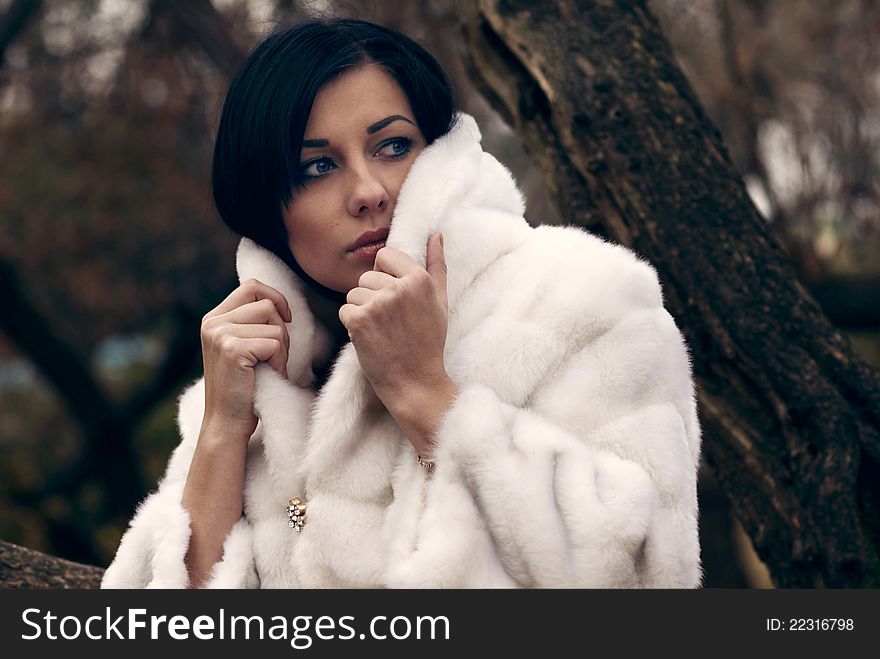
(427, 465)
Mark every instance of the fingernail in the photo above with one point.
(441, 240)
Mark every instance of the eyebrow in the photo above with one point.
(379, 125)
(372, 128)
(315, 143)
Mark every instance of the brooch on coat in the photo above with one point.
(296, 514)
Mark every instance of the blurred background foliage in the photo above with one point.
(110, 250)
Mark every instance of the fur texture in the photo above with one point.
(569, 459)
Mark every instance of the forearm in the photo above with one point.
(213, 496)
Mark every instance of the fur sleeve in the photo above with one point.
(592, 483)
(151, 553)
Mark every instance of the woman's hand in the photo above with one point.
(246, 328)
(397, 318)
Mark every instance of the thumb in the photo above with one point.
(435, 262)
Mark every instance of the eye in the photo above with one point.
(317, 168)
(396, 147)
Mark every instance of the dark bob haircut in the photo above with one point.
(256, 155)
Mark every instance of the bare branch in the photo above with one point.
(26, 568)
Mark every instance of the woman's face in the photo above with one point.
(360, 141)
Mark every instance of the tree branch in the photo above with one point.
(26, 568)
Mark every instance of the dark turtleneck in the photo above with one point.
(326, 312)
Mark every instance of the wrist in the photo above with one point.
(418, 410)
(410, 398)
(217, 429)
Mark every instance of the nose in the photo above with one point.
(368, 194)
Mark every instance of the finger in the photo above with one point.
(375, 280)
(359, 296)
(278, 362)
(263, 350)
(346, 311)
(268, 331)
(253, 290)
(256, 331)
(435, 263)
(395, 262)
(262, 311)
(236, 331)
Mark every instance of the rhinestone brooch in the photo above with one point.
(296, 514)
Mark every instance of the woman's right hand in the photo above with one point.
(246, 328)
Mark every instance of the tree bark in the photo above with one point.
(26, 568)
(790, 416)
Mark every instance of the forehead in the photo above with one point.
(355, 100)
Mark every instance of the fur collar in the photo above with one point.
(451, 174)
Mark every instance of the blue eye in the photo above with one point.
(396, 147)
(317, 168)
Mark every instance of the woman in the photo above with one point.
(412, 387)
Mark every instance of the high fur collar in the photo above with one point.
(453, 171)
(453, 187)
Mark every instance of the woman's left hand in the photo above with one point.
(397, 318)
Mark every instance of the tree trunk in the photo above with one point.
(26, 568)
(791, 417)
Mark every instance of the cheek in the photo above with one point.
(397, 183)
(317, 239)
(307, 222)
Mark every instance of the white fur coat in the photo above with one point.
(569, 458)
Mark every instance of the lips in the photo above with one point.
(369, 238)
